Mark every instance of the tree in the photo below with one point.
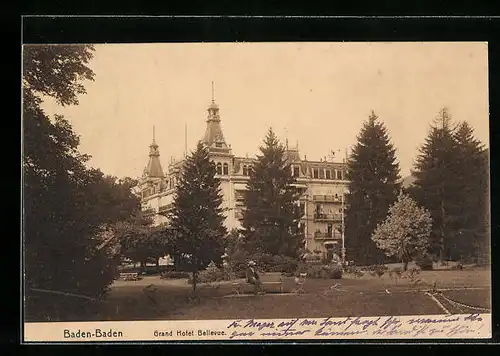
(197, 217)
(66, 205)
(451, 180)
(271, 215)
(470, 211)
(373, 175)
(56, 71)
(143, 243)
(405, 232)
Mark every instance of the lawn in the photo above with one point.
(154, 298)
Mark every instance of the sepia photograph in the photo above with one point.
(256, 191)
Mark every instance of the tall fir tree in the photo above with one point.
(452, 181)
(436, 185)
(472, 201)
(271, 218)
(373, 175)
(197, 218)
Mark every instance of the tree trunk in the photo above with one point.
(405, 265)
(142, 268)
(195, 277)
(442, 229)
(157, 265)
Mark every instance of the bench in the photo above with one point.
(268, 280)
(131, 276)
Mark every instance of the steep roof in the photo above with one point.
(154, 169)
(214, 138)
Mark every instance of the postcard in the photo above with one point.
(256, 191)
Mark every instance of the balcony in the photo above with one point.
(327, 198)
(325, 236)
(148, 211)
(164, 209)
(328, 217)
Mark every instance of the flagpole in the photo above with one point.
(343, 213)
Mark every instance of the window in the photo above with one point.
(219, 168)
(315, 173)
(318, 210)
(296, 171)
(218, 145)
(321, 173)
(250, 169)
(302, 209)
(339, 175)
(245, 170)
(226, 169)
(328, 174)
(330, 228)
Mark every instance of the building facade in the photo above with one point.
(322, 183)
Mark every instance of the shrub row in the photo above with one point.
(321, 272)
(174, 275)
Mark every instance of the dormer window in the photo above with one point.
(226, 169)
(245, 170)
(219, 168)
(218, 144)
(296, 171)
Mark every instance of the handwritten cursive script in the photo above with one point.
(437, 326)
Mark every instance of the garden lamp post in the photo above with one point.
(345, 191)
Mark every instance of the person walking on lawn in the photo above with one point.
(253, 278)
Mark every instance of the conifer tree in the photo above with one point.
(271, 215)
(373, 175)
(197, 218)
(451, 180)
(435, 186)
(471, 172)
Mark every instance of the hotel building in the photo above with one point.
(322, 183)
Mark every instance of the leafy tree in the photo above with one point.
(197, 217)
(405, 232)
(141, 242)
(66, 205)
(56, 71)
(271, 215)
(373, 175)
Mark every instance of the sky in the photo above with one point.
(315, 94)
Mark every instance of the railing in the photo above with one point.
(325, 236)
(148, 211)
(165, 208)
(327, 198)
(327, 217)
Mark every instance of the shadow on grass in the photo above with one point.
(155, 299)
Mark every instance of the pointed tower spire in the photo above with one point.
(213, 137)
(153, 168)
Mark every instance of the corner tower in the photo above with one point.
(152, 180)
(214, 138)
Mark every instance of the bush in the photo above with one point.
(174, 275)
(211, 274)
(425, 263)
(274, 263)
(321, 272)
